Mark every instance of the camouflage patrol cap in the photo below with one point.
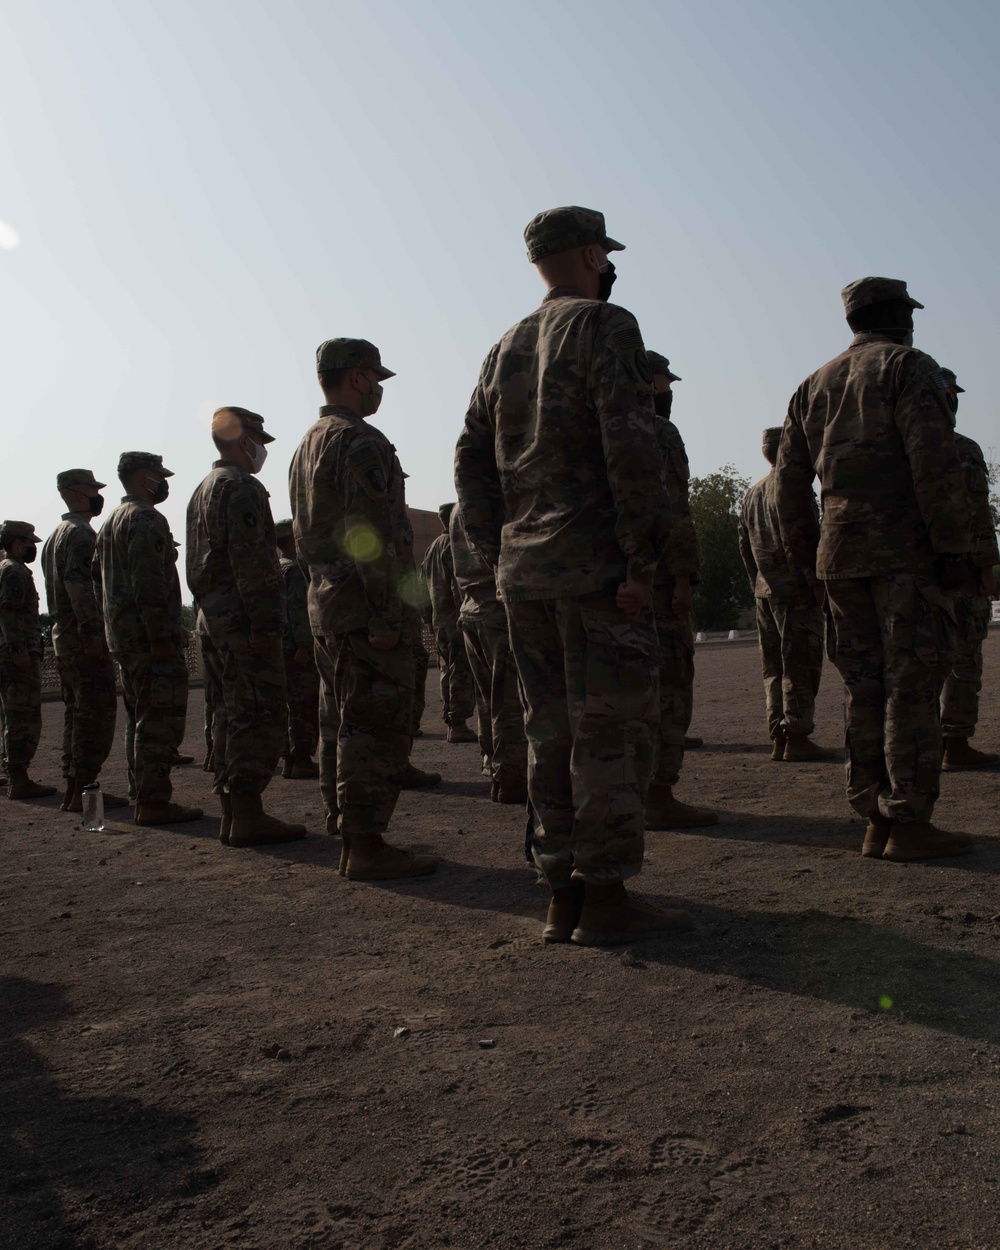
(876, 291)
(351, 354)
(559, 229)
(952, 377)
(77, 477)
(229, 423)
(130, 461)
(445, 511)
(660, 364)
(772, 435)
(283, 530)
(17, 529)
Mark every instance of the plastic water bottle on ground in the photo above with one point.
(93, 808)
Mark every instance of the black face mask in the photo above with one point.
(607, 280)
(162, 490)
(96, 504)
(29, 554)
(663, 403)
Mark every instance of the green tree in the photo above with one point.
(723, 592)
(189, 615)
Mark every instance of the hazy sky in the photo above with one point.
(195, 194)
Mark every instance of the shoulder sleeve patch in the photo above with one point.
(624, 338)
(940, 381)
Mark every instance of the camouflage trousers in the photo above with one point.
(155, 695)
(893, 641)
(302, 698)
(790, 632)
(498, 697)
(249, 713)
(589, 680)
(365, 716)
(422, 660)
(960, 697)
(21, 696)
(676, 654)
(91, 708)
(458, 699)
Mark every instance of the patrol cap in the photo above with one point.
(77, 477)
(559, 229)
(876, 291)
(952, 377)
(351, 354)
(130, 461)
(17, 529)
(445, 511)
(772, 435)
(282, 530)
(660, 364)
(228, 423)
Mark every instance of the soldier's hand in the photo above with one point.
(819, 594)
(385, 641)
(302, 657)
(632, 597)
(163, 651)
(682, 602)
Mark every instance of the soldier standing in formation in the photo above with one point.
(675, 573)
(560, 487)
(301, 677)
(20, 659)
(232, 570)
(876, 424)
(483, 622)
(960, 697)
(789, 619)
(135, 566)
(86, 670)
(457, 691)
(352, 533)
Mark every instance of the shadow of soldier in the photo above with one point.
(102, 1156)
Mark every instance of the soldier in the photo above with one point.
(301, 677)
(675, 573)
(20, 659)
(789, 619)
(352, 533)
(483, 622)
(457, 696)
(960, 697)
(560, 486)
(135, 568)
(232, 570)
(86, 670)
(876, 424)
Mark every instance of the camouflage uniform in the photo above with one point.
(205, 646)
(352, 532)
(86, 670)
(302, 729)
(560, 486)
(422, 662)
(483, 622)
(20, 636)
(457, 696)
(135, 568)
(960, 697)
(789, 621)
(875, 423)
(232, 570)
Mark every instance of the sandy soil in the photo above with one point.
(209, 1048)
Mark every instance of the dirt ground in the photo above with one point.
(211, 1048)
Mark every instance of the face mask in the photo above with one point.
(607, 279)
(373, 399)
(29, 554)
(258, 454)
(160, 490)
(96, 505)
(663, 402)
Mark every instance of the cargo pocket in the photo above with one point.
(621, 667)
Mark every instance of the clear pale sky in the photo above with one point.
(194, 195)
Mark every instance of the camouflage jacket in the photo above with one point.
(439, 573)
(875, 425)
(475, 580)
(67, 560)
(983, 548)
(135, 568)
(232, 561)
(558, 471)
(19, 628)
(351, 527)
(296, 600)
(771, 573)
(681, 553)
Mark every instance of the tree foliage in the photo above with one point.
(723, 593)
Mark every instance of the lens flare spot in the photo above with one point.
(362, 544)
(885, 1002)
(412, 590)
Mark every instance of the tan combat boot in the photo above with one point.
(919, 839)
(20, 785)
(663, 811)
(226, 820)
(371, 858)
(300, 767)
(164, 813)
(778, 748)
(251, 825)
(800, 749)
(609, 917)
(692, 744)
(461, 733)
(415, 778)
(960, 755)
(564, 913)
(876, 836)
(177, 759)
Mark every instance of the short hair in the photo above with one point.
(888, 315)
(333, 379)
